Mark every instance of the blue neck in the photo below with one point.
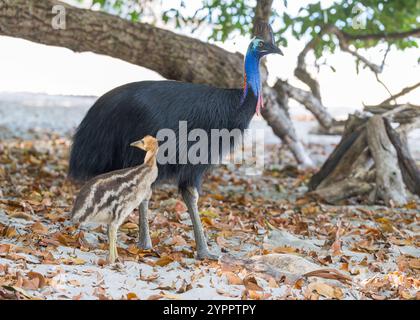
(252, 74)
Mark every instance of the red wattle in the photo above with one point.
(260, 104)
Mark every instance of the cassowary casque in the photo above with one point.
(143, 108)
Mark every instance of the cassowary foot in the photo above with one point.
(112, 257)
(205, 254)
(112, 238)
(145, 244)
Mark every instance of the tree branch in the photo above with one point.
(301, 72)
(344, 45)
(381, 36)
(401, 93)
(309, 100)
(172, 55)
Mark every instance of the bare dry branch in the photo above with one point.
(401, 93)
(345, 46)
(302, 74)
(310, 101)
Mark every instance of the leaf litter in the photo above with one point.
(274, 242)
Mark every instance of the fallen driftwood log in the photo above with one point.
(372, 159)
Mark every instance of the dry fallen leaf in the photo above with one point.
(207, 221)
(385, 224)
(132, 296)
(78, 297)
(217, 197)
(39, 228)
(233, 279)
(406, 295)
(255, 295)
(20, 215)
(101, 262)
(326, 290)
(35, 275)
(282, 250)
(185, 286)
(378, 296)
(336, 247)
(414, 263)
(163, 261)
(411, 205)
(129, 226)
(5, 248)
(178, 241)
(150, 278)
(133, 249)
(272, 283)
(20, 291)
(251, 283)
(30, 284)
(74, 282)
(329, 273)
(73, 261)
(10, 232)
(171, 296)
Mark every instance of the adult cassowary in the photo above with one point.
(132, 111)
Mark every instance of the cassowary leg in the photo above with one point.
(112, 239)
(145, 242)
(190, 196)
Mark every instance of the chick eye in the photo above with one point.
(260, 44)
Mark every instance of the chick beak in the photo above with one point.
(138, 144)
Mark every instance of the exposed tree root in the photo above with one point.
(372, 159)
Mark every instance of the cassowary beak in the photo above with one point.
(274, 49)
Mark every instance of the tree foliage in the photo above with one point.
(357, 19)
(227, 18)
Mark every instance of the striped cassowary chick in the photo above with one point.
(109, 198)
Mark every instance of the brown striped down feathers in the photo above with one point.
(112, 196)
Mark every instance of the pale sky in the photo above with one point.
(29, 67)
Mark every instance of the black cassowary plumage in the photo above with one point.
(134, 110)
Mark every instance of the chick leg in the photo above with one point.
(145, 242)
(190, 196)
(112, 238)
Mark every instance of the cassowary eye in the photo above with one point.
(260, 44)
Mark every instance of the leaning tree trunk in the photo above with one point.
(174, 56)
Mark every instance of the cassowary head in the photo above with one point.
(260, 46)
(264, 42)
